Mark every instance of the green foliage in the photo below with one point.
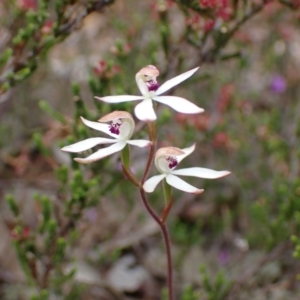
(296, 241)
(187, 233)
(23, 259)
(46, 210)
(253, 131)
(51, 228)
(38, 142)
(12, 204)
(62, 174)
(44, 295)
(110, 258)
(217, 288)
(60, 250)
(46, 108)
(35, 36)
(5, 56)
(190, 294)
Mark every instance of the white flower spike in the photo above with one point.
(150, 89)
(166, 159)
(120, 128)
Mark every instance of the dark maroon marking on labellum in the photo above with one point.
(115, 128)
(152, 85)
(172, 162)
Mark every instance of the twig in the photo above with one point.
(209, 55)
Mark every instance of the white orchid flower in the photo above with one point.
(166, 160)
(120, 128)
(150, 89)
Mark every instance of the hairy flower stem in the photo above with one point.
(152, 136)
(167, 243)
(149, 208)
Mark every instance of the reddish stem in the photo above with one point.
(167, 243)
(160, 222)
(169, 260)
(166, 211)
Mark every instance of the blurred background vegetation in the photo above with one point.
(80, 232)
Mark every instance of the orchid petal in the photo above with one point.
(180, 184)
(150, 184)
(87, 144)
(162, 164)
(201, 173)
(174, 81)
(139, 143)
(131, 124)
(179, 104)
(144, 111)
(119, 98)
(187, 151)
(98, 126)
(102, 153)
(126, 130)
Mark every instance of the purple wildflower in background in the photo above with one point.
(91, 214)
(278, 84)
(223, 257)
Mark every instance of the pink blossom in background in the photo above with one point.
(28, 4)
(48, 26)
